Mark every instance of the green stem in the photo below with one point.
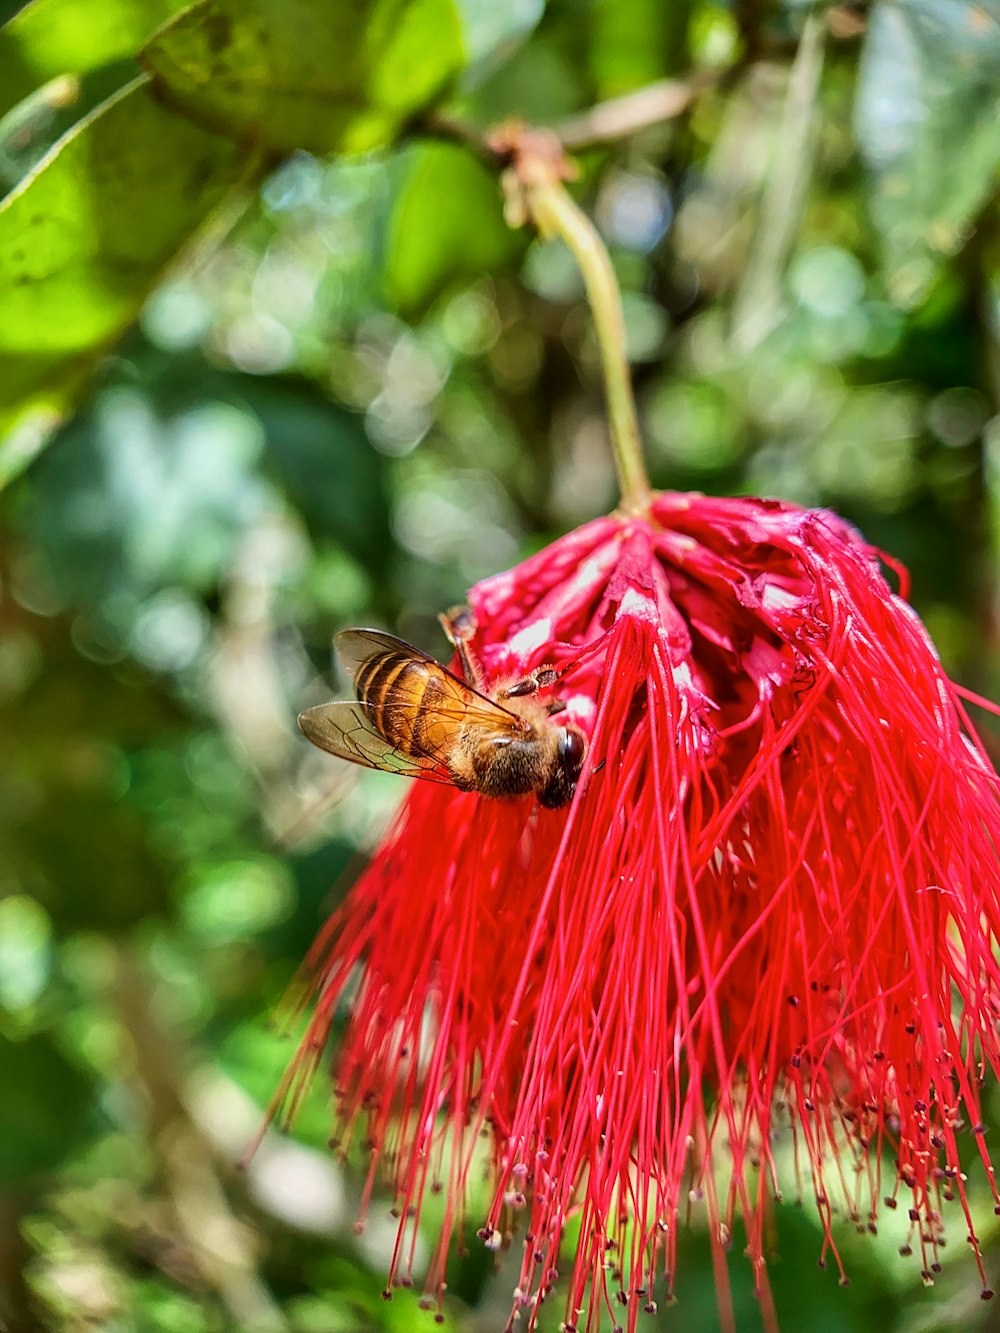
(535, 190)
(555, 213)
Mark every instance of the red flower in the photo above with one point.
(779, 870)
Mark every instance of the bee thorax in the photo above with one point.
(509, 766)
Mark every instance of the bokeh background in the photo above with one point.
(358, 394)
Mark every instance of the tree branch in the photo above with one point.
(605, 122)
(621, 116)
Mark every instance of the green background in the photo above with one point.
(272, 364)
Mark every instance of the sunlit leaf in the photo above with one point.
(85, 236)
(447, 225)
(25, 430)
(289, 74)
(927, 124)
(49, 38)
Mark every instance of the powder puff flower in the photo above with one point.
(770, 914)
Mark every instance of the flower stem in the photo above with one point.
(535, 191)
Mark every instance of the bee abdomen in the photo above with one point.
(396, 690)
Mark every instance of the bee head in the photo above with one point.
(570, 749)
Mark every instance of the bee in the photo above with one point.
(414, 716)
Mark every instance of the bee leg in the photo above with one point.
(519, 689)
(459, 624)
(556, 706)
(539, 679)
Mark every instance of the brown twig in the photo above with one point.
(605, 122)
(620, 117)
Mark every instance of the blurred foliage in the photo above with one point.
(356, 394)
(294, 74)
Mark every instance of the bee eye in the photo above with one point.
(571, 748)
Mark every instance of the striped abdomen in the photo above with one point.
(412, 702)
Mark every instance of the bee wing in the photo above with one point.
(355, 646)
(344, 729)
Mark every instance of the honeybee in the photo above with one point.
(414, 716)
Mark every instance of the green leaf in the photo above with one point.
(447, 226)
(927, 125)
(287, 74)
(634, 44)
(26, 429)
(85, 236)
(49, 38)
